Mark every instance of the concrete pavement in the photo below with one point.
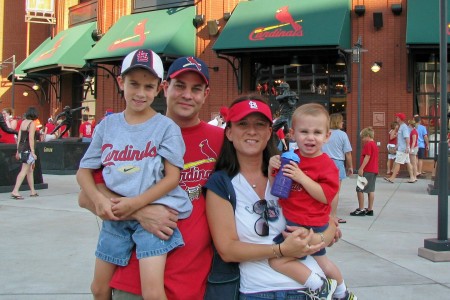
(47, 244)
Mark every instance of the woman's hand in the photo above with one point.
(297, 243)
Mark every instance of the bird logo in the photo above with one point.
(284, 16)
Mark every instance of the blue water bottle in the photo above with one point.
(282, 185)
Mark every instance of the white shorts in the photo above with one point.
(402, 158)
(414, 151)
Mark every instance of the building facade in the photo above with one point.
(324, 50)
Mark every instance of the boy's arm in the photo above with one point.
(127, 206)
(363, 165)
(313, 188)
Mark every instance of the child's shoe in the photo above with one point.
(348, 296)
(325, 292)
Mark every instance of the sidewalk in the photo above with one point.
(47, 244)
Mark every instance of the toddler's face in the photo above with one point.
(310, 133)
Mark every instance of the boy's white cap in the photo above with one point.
(361, 182)
(145, 59)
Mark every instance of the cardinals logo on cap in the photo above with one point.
(253, 105)
(142, 56)
(193, 62)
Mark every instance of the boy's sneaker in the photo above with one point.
(359, 212)
(325, 292)
(348, 296)
(368, 212)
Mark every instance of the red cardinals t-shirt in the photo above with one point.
(187, 267)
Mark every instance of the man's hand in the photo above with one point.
(158, 220)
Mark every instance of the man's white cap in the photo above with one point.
(144, 59)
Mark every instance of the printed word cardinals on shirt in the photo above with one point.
(127, 154)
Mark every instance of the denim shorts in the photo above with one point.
(118, 238)
(340, 164)
(278, 295)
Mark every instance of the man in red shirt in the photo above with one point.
(86, 130)
(186, 89)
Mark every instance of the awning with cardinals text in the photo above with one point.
(168, 32)
(267, 25)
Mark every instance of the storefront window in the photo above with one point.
(319, 83)
(427, 103)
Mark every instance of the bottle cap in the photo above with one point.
(291, 156)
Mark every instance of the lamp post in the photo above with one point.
(13, 63)
(356, 58)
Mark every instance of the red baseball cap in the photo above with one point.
(242, 109)
(401, 116)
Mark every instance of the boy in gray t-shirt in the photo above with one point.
(141, 152)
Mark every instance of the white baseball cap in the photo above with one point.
(361, 182)
(145, 59)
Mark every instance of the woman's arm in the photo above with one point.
(31, 138)
(222, 225)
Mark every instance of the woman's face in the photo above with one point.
(250, 135)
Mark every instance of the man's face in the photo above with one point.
(185, 96)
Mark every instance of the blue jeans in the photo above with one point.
(276, 295)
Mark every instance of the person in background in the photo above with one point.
(48, 128)
(413, 144)
(368, 169)
(282, 146)
(245, 234)
(339, 150)
(220, 119)
(423, 144)
(392, 147)
(4, 126)
(26, 142)
(403, 149)
(86, 130)
(11, 123)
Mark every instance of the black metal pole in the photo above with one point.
(358, 117)
(443, 146)
(442, 243)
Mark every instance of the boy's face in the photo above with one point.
(140, 88)
(310, 133)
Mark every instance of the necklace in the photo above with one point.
(254, 186)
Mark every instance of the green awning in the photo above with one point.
(19, 72)
(65, 50)
(422, 24)
(263, 25)
(168, 32)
